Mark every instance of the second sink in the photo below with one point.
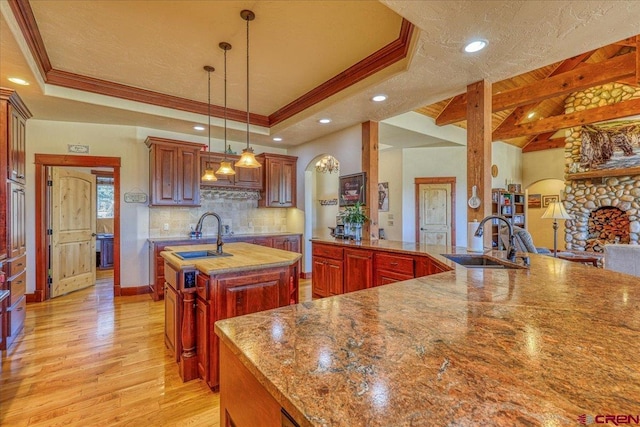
(200, 254)
(479, 261)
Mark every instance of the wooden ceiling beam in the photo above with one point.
(589, 75)
(538, 140)
(629, 41)
(518, 114)
(546, 145)
(578, 118)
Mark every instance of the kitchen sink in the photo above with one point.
(480, 261)
(200, 254)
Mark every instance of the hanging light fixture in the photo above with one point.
(208, 174)
(225, 166)
(328, 164)
(248, 159)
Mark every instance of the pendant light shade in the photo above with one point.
(248, 159)
(225, 168)
(208, 174)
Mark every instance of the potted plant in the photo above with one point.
(355, 216)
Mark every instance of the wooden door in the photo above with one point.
(188, 177)
(358, 268)
(288, 184)
(434, 221)
(163, 175)
(17, 148)
(73, 225)
(273, 183)
(16, 224)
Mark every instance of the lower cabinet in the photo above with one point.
(358, 269)
(337, 269)
(203, 328)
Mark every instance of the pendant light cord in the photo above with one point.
(225, 105)
(247, 83)
(209, 107)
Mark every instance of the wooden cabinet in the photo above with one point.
(358, 269)
(106, 251)
(287, 243)
(392, 268)
(337, 269)
(279, 176)
(203, 326)
(248, 179)
(13, 117)
(174, 172)
(511, 206)
(171, 321)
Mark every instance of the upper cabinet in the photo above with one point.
(14, 121)
(174, 172)
(279, 173)
(243, 179)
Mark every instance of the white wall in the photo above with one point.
(47, 137)
(428, 163)
(390, 169)
(344, 145)
(508, 158)
(545, 164)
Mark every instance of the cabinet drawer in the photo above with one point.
(171, 277)
(15, 318)
(396, 263)
(16, 265)
(17, 286)
(327, 251)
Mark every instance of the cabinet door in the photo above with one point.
(249, 178)
(359, 269)
(291, 244)
(252, 293)
(188, 177)
(17, 148)
(273, 185)
(16, 231)
(384, 277)
(334, 276)
(172, 323)
(288, 184)
(319, 280)
(202, 337)
(164, 176)
(262, 241)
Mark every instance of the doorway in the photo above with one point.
(44, 161)
(435, 211)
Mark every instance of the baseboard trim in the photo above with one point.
(34, 297)
(304, 275)
(134, 290)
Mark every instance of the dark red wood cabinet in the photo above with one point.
(279, 176)
(358, 269)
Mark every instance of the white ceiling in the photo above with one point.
(295, 45)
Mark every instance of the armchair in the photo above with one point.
(622, 258)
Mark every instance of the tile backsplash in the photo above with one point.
(241, 215)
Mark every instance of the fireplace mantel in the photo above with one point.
(603, 173)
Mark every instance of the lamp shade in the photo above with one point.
(555, 210)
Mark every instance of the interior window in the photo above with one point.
(105, 197)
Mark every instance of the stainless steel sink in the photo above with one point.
(200, 254)
(479, 261)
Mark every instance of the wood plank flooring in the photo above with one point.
(87, 359)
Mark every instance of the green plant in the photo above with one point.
(355, 214)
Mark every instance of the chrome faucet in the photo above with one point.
(511, 250)
(198, 230)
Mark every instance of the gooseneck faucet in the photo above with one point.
(219, 242)
(511, 250)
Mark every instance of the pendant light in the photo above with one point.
(225, 166)
(248, 159)
(208, 174)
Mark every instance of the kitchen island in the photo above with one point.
(500, 347)
(199, 291)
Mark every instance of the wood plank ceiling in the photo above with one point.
(528, 109)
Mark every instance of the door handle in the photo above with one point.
(423, 229)
(93, 234)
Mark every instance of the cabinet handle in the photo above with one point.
(394, 263)
(19, 308)
(20, 190)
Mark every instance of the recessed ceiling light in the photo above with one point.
(198, 127)
(324, 121)
(531, 114)
(18, 81)
(379, 98)
(277, 139)
(475, 46)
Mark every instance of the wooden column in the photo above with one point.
(479, 151)
(188, 358)
(370, 166)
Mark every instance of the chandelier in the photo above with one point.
(328, 164)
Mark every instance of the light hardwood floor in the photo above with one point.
(87, 359)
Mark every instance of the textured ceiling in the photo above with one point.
(295, 46)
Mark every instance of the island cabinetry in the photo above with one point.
(279, 173)
(392, 268)
(174, 169)
(327, 270)
(358, 269)
(203, 326)
(426, 266)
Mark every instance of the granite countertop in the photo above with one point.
(246, 256)
(225, 237)
(468, 347)
(4, 294)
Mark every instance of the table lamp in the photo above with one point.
(556, 211)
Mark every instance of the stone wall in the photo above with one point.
(583, 196)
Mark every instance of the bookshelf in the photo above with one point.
(511, 206)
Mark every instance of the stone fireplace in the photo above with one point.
(604, 204)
